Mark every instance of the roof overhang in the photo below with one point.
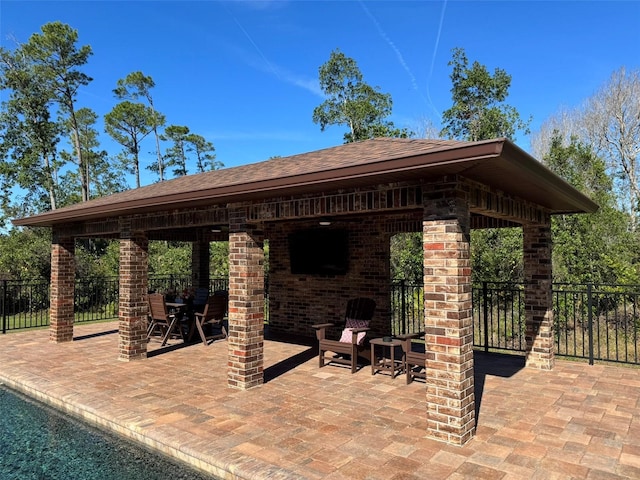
(497, 163)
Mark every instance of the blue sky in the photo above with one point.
(244, 74)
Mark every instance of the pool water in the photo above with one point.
(38, 442)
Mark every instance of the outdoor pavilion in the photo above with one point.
(372, 189)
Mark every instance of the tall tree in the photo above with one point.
(28, 150)
(425, 128)
(596, 247)
(407, 257)
(609, 122)
(352, 102)
(56, 61)
(478, 111)
(134, 86)
(128, 123)
(203, 151)
(87, 137)
(25, 254)
(176, 154)
(102, 177)
(612, 122)
(109, 179)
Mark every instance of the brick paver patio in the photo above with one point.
(577, 421)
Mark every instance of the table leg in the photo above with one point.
(373, 359)
(393, 362)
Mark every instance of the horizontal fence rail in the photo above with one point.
(498, 316)
(25, 304)
(593, 322)
(407, 308)
(598, 322)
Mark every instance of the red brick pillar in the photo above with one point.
(200, 264)
(63, 272)
(448, 319)
(537, 296)
(246, 304)
(133, 307)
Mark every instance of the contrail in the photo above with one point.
(311, 85)
(389, 42)
(246, 34)
(433, 57)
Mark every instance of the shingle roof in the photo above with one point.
(497, 162)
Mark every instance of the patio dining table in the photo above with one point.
(182, 309)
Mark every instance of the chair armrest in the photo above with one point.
(322, 325)
(321, 330)
(360, 330)
(407, 336)
(355, 332)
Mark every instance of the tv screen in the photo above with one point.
(319, 252)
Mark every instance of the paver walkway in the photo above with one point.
(577, 421)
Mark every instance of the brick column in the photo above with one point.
(537, 296)
(246, 304)
(448, 319)
(133, 307)
(200, 264)
(63, 272)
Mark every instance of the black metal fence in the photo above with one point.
(598, 322)
(498, 316)
(180, 283)
(593, 322)
(407, 308)
(26, 304)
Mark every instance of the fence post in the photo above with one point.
(403, 304)
(590, 320)
(485, 314)
(4, 306)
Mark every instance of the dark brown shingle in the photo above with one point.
(497, 163)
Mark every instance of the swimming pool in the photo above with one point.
(38, 442)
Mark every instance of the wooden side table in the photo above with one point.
(386, 363)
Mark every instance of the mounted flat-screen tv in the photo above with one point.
(319, 252)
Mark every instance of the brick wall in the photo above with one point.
(62, 289)
(538, 296)
(133, 308)
(448, 316)
(298, 301)
(246, 304)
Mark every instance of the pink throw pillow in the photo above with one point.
(351, 323)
